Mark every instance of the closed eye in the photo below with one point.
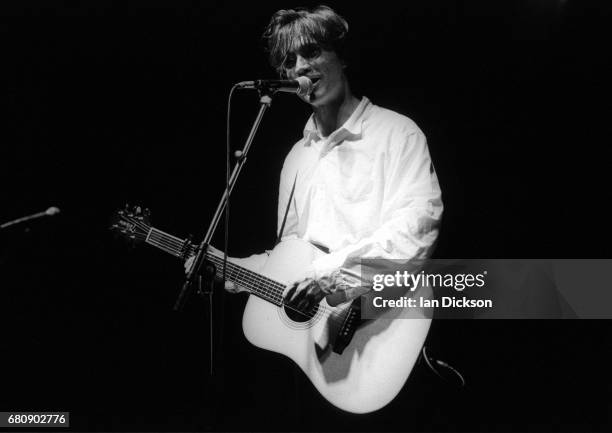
(307, 51)
(289, 61)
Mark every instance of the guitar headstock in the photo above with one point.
(132, 222)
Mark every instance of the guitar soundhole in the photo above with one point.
(300, 316)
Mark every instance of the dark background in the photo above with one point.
(115, 102)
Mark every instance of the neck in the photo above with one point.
(332, 116)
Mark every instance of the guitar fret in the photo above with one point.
(149, 234)
(168, 236)
(236, 271)
(157, 239)
(164, 236)
(264, 279)
(168, 239)
(160, 244)
(257, 284)
(248, 279)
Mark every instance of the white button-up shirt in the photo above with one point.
(368, 190)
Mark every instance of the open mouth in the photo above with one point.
(315, 80)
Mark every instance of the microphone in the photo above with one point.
(49, 212)
(301, 85)
(52, 211)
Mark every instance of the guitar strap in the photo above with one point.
(282, 228)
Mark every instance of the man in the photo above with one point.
(365, 186)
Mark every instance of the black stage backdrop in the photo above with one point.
(114, 102)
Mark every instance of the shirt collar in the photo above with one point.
(352, 126)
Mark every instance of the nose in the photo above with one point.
(302, 66)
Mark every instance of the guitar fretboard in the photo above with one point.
(257, 284)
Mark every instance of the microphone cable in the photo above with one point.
(430, 363)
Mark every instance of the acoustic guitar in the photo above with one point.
(357, 365)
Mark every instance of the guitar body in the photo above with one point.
(371, 370)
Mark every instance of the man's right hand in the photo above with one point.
(229, 286)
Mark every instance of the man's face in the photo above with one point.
(323, 67)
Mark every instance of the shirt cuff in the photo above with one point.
(326, 265)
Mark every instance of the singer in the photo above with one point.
(365, 185)
(360, 183)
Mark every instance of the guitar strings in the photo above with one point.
(175, 246)
(326, 312)
(247, 276)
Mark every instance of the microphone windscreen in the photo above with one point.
(305, 86)
(52, 211)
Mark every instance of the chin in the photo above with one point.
(314, 101)
(319, 100)
(326, 96)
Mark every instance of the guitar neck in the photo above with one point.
(257, 284)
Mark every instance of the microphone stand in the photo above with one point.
(193, 276)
